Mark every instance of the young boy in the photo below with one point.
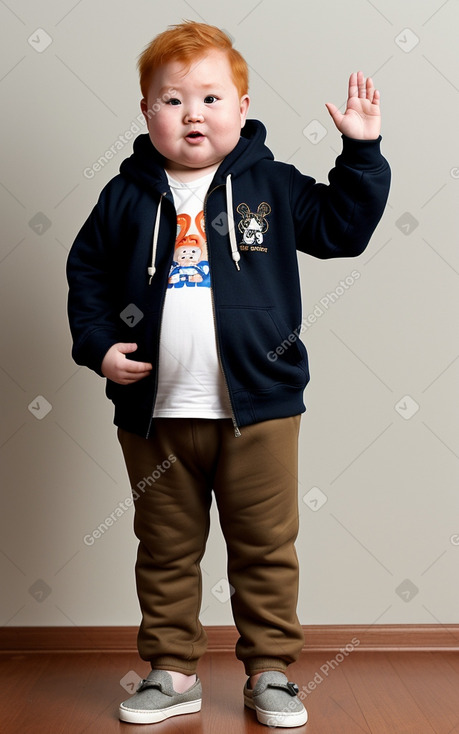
(183, 284)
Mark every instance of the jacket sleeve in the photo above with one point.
(338, 219)
(91, 312)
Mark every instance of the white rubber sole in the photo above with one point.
(287, 719)
(145, 716)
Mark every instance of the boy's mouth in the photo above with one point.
(194, 136)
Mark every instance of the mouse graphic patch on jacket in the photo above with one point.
(253, 226)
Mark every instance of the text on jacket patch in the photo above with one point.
(253, 226)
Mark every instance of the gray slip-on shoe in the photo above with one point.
(275, 701)
(156, 700)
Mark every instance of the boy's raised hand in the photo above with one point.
(362, 118)
(124, 371)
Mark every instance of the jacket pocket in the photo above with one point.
(260, 350)
(137, 393)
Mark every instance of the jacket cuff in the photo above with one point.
(361, 154)
(93, 351)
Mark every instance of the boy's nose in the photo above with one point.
(194, 116)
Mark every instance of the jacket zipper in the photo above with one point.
(157, 354)
(237, 431)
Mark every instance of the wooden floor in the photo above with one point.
(371, 692)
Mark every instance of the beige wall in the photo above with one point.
(379, 440)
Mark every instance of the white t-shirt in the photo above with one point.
(190, 379)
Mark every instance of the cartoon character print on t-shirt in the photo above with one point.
(190, 267)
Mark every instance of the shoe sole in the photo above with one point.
(152, 716)
(287, 719)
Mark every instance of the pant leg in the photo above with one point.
(172, 498)
(256, 489)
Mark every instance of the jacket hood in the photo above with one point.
(146, 165)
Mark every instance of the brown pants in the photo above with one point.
(254, 480)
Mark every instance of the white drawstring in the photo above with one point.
(235, 254)
(152, 268)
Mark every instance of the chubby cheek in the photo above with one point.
(229, 134)
(235, 124)
(160, 131)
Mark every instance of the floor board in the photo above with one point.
(369, 692)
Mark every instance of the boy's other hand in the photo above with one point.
(124, 371)
(362, 118)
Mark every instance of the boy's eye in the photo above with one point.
(210, 99)
(173, 101)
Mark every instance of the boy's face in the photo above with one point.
(201, 121)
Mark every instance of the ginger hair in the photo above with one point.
(185, 43)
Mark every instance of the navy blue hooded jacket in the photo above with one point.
(119, 264)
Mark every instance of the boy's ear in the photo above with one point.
(144, 107)
(244, 108)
